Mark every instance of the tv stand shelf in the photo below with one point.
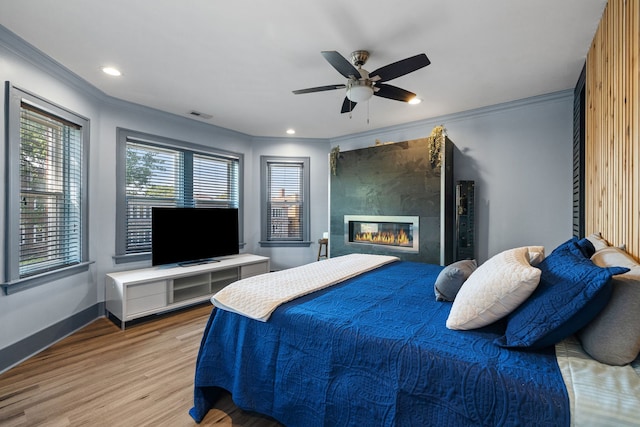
(138, 293)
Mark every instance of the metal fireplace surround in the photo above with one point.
(393, 233)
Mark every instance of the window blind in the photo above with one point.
(172, 177)
(215, 182)
(50, 191)
(285, 201)
(153, 179)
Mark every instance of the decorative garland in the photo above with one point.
(436, 142)
(333, 159)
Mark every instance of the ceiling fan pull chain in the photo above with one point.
(367, 112)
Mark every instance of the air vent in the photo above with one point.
(200, 115)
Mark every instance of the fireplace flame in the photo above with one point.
(384, 238)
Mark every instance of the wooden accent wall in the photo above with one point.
(612, 145)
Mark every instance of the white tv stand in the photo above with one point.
(137, 293)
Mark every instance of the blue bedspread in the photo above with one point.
(374, 350)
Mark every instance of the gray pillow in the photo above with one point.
(613, 337)
(452, 277)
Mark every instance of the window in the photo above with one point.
(47, 203)
(285, 208)
(157, 171)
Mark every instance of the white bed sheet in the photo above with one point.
(258, 296)
(600, 395)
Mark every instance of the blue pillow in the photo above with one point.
(586, 247)
(572, 291)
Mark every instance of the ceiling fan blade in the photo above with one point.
(341, 64)
(347, 105)
(393, 92)
(319, 89)
(400, 68)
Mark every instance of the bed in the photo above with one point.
(375, 349)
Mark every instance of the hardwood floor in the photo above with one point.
(103, 376)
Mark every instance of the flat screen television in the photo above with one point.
(189, 236)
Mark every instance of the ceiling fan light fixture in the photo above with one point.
(362, 85)
(359, 92)
(415, 101)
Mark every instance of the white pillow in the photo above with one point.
(597, 241)
(494, 290)
(613, 256)
(536, 254)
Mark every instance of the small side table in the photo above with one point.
(324, 243)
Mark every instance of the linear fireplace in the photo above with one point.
(394, 233)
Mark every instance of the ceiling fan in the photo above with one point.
(361, 84)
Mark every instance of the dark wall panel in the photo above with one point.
(392, 179)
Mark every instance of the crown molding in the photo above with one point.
(463, 115)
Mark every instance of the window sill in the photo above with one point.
(40, 279)
(284, 243)
(142, 256)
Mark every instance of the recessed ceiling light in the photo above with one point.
(415, 101)
(291, 131)
(111, 71)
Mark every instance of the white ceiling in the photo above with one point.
(239, 60)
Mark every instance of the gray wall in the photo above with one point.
(519, 155)
(26, 313)
(318, 152)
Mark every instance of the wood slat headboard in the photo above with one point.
(612, 133)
